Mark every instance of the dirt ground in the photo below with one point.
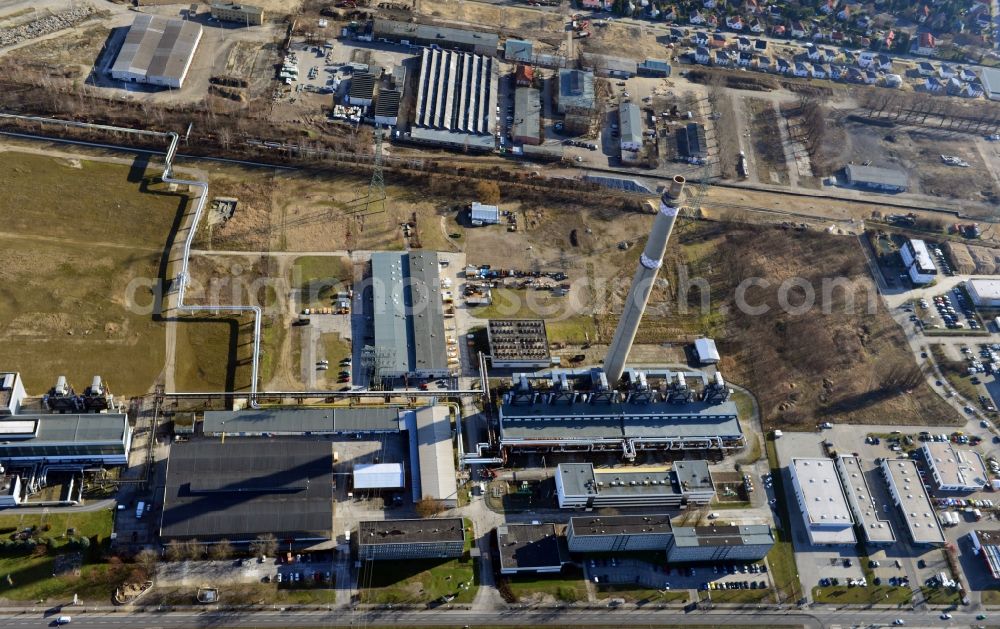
(70, 56)
(918, 151)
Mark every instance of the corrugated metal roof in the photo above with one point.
(379, 476)
(434, 449)
(157, 47)
(630, 119)
(485, 213)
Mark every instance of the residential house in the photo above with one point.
(863, 21)
(722, 58)
(800, 70)
(712, 20)
(925, 44)
(818, 71)
(973, 90)
(760, 45)
(889, 40)
(701, 39)
(828, 7)
(828, 55)
(926, 68)
(923, 13)
(813, 52)
(779, 30)
(933, 85)
(866, 58)
(954, 87)
(844, 14)
(849, 57)
(701, 55)
(751, 7)
(967, 75)
(744, 43)
(837, 37)
(871, 78)
(764, 64)
(836, 72)
(865, 42)
(696, 17)
(893, 81)
(708, 4)
(884, 62)
(782, 65)
(669, 14)
(756, 26)
(946, 72)
(854, 75)
(734, 22)
(745, 59)
(718, 41)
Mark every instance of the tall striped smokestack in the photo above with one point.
(642, 283)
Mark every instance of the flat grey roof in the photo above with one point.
(581, 479)
(956, 466)
(658, 524)
(630, 119)
(620, 420)
(915, 504)
(530, 546)
(57, 428)
(446, 36)
(576, 89)
(875, 527)
(435, 453)
(527, 113)
(873, 175)
(240, 488)
(990, 78)
(693, 475)
(389, 309)
(518, 50)
(453, 139)
(745, 535)
(238, 6)
(158, 47)
(302, 420)
(518, 339)
(427, 316)
(822, 494)
(429, 530)
(610, 63)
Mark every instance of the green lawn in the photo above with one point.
(26, 578)
(956, 373)
(95, 525)
(414, 582)
(319, 272)
(214, 353)
(564, 588)
(639, 594)
(991, 597)
(561, 325)
(737, 596)
(781, 557)
(246, 594)
(337, 348)
(842, 594)
(941, 596)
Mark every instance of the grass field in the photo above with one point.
(991, 597)
(203, 345)
(417, 581)
(561, 327)
(31, 579)
(639, 594)
(336, 348)
(246, 594)
(941, 596)
(308, 270)
(842, 594)
(737, 596)
(955, 372)
(89, 241)
(95, 525)
(565, 588)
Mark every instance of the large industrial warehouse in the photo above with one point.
(456, 98)
(238, 489)
(157, 51)
(408, 316)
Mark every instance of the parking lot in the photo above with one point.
(721, 576)
(952, 310)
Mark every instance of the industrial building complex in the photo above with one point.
(822, 502)
(579, 485)
(954, 468)
(393, 540)
(531, 548)
(518, 344)
(456, 99)
(619, 533)
(157, 51)
(912, 502)
(720, 543)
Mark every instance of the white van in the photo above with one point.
(63, 620)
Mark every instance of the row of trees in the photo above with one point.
(193, 549)
(923, 109)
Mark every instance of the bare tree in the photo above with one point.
(192, 549)
(221, 551)
(147, 560)
(175, 551)
(264, 545)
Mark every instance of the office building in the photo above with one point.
(914, 505)
(874, 527)
(954, 468)
(985, 293)
(918, 261)
(619, 533)
(822, 502)
(394, 540)
(530, 548)
(695, 544)
(245, 14)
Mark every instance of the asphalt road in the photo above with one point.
(527, 618)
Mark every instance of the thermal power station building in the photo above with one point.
(822, 502)
(919, 264)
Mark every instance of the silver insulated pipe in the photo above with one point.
(642, 283)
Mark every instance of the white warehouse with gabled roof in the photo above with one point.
(822, 502)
